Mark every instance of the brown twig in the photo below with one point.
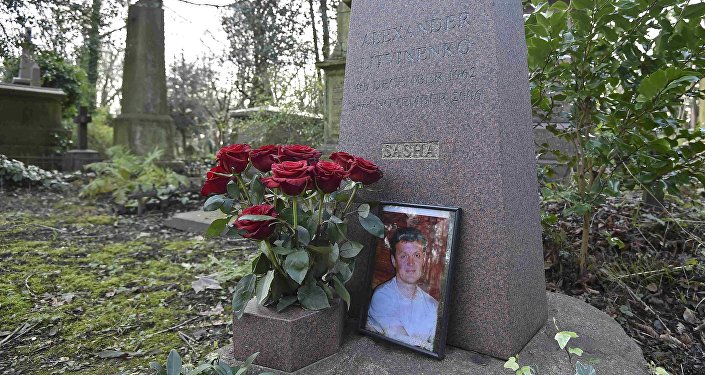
(174, 327)
(26, 284)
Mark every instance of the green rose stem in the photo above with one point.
(273, 257)
(347, 205)
(320, 211)
(296, 223)
(242, 188)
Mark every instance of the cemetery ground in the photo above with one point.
(83, 290)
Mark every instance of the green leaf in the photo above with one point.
(576, 351)
(223, 369)
(344, 271)
(283, 250)
(233, 190)
(312, 297)
(659, 371)
(302, 235)
(246, 365)
(363, 210)
(213, 203)
(350, 249)
(263, 286)
(582, 4)
(659, 80)
(285, 302)
(321, 249)
(261, 264)
(660, 145)
(373, 225)
(694, 11)
(341, 290)
(157, 367)
(256, 218)
(525, 370)
(243, 294)
(296, 265)
(563, 337)
(581, 369)
(511, 364)
(217, 227)
(173, 363)
(256, 190)
(333, 255)
(335, 219)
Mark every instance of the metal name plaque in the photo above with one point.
(410, 150)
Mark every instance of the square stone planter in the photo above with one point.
(290, 340)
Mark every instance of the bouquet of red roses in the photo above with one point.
(297, 206)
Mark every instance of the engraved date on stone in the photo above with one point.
(410, 150)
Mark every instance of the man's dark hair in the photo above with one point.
(408, 234)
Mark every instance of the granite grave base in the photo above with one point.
(290, 340)
(605, 343)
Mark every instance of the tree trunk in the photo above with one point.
(326, 29)
(93, 53)
(312, 14)
(584, 244)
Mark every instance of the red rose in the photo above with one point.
(293, 177)
(215, 183)
(257, 230)
(328, 175)
(264, 157)
(234, 157)
(299, 153)
(364, 171)
(343, 159)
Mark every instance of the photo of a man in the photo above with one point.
(400, 309)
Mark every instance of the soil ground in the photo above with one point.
(86, 291)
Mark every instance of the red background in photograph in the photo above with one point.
(436, 231)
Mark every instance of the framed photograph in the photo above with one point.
(410, 277)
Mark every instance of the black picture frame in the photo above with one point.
(392, 215)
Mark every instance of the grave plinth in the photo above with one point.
(290, 340)
(452, 77)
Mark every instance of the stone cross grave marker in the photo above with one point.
(82, 121)
(437, 93)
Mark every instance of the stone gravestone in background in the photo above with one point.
(144, 123)
(437, 94)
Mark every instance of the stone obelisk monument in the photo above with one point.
(145, 124)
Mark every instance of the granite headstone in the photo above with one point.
(437, 93)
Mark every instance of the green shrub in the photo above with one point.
(15, 172)
(284, 127)
(126, 173)
(211, 366)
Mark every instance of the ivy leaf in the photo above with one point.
(217, 227)
(373, 225)
(173, 363)
(263, 286)
(341, 290)
(576, 351)
(296, 265)
(581, 369)
(213, 203)
(563, 337)
(363, 210)
(312, 297)
(511, 364)
(243, 294)
(350, 249)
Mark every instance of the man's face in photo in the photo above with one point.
(408, 261)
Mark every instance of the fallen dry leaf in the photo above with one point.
(690, 317)
(648, 330)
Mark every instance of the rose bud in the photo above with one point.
(263, 157)
(292, 177)
(299, 153)
(234, 157)
(343, 159)
(215, 183)
(364, 171)
(328, 176)
(257, 230)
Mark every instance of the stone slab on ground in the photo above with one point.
(193, 221)
(601, 337)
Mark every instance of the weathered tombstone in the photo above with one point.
(75, 159)
(334, 68)
(438, 94)
(144, 123)
(30, 116)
